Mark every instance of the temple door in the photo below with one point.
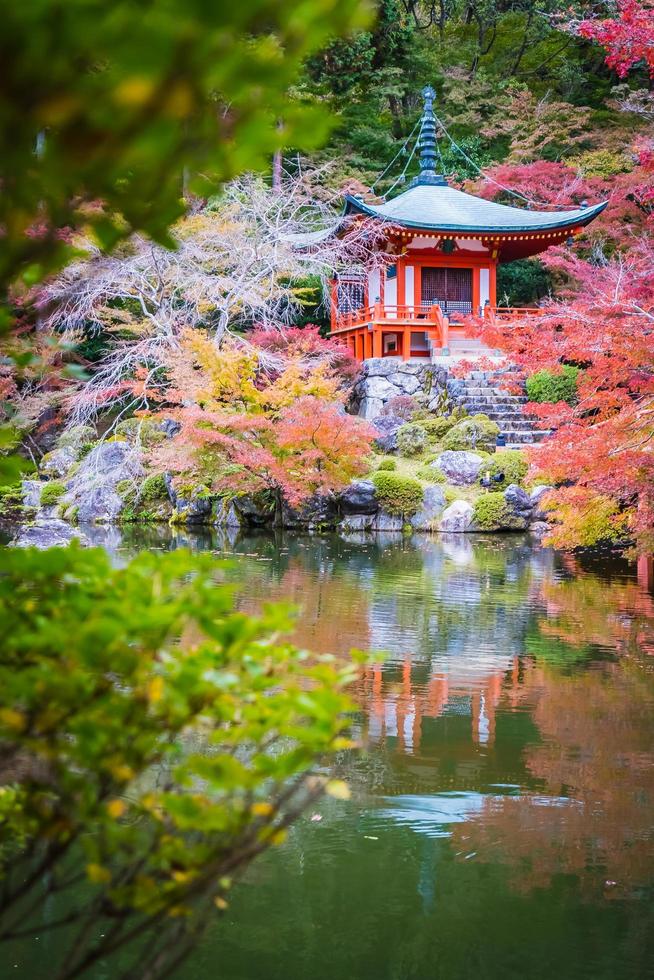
(451, 289)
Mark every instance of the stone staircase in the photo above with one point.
(480, 392)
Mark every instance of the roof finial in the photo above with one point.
(427, 141)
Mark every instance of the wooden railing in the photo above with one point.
(409, 313)
(511, 312)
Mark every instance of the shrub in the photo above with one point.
(431, 474)
(411, 439)
(11, 500)
(154, 488)
(51, 493)
(398, 495)
(545, 386)
(112, 676)
(403, 406)
(510, 463)
(601, 163)
(387, 464)
(438, 427)
(492, 512)
(476, 432)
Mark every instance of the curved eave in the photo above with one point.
(579, 219)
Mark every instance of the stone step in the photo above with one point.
(508, 412)
(488, 392)
(524, 437)
(474, 405)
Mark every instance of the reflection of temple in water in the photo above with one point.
(399, 710)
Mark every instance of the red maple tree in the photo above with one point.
(628, 38)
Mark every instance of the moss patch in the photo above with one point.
(399, 495)
(51, 493)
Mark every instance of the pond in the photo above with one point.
(500, 823)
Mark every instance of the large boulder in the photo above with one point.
(359, 498)
(432, 507)
(196, 509)
(409, 383)
(31, 490)
(387, 427)
(460, 467)
(519, 502)
(111, 458)
(387, 522)
(48, 533)
(457, 518)
(320, 510)
(379, 367)
(92, 495)
(369, 408)
(58, 462)
(380, 388)
(101, 504)
(535, 498)
(255, 510)
(357, 522)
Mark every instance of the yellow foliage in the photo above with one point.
(155, 689)
(295, 381)
(228, 376)
(338, 789)
(116, 808)
(261, 809)
(97, 874)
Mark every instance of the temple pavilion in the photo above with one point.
(440, 251)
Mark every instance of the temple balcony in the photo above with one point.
(414, 331)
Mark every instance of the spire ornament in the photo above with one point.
(427, 142)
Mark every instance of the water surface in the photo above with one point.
(500, 823)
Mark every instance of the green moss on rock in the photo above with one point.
(51, 493)
(147, 431)
(475, 432)
(492, 512)
(411, 439)
(510, 464)
(400, 496)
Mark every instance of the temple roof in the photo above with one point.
(437, 207)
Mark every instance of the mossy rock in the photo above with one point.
(475, 432)
(76, 437)
(492, 512)
(387, 465)
(437, 428)
(51, 493)
(399, 496)
(153, 488)
(11, 501)
(411, 439)
(147, 431)
(510, 464)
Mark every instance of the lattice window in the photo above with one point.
(350, 295)
(451, 289)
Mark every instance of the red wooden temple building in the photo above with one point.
(439, 253)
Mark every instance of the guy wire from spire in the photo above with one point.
(491, 180)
